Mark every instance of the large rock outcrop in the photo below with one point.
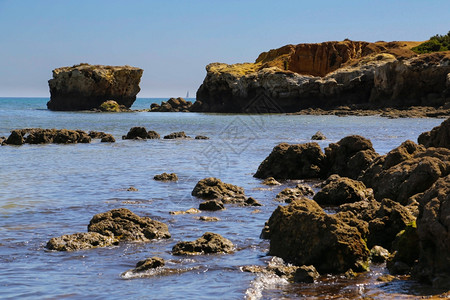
(85, 86)
(327, 75)
(348, 157)
(304, 234)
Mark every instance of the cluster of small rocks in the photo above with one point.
(172, 105)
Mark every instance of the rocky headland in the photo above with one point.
(327, 75)
(84, 86)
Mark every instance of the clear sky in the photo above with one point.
(173, 41)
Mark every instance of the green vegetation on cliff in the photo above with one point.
(434, 44)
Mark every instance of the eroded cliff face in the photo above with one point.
(327, 75)
(87, 86)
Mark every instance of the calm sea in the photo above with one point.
(51, 190)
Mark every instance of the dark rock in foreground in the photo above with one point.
(208, 243)
(433, 229)
(81, 241)
(166, 177)
(127, 226)
(303, 234)
(84, 86)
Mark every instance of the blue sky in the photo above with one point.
(173, 41)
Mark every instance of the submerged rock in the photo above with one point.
(176, 135)
(136, 133)
(84, 86)
(290, 194)
(208, 243)
(183, 212)
(149, 263)
(212, 205)
(270, 181)
(303, 234)
(166, 177)
(127, 226)
(318, 136)
(201, 137)
(81, 241)
(108, 138)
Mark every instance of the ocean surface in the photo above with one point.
(51, 190)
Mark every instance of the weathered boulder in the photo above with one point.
(342, 190)
(389, 219)
(166, 177)
(411, 176)
(127, 226)
(153, 135)
(136, 133)
(378, 254)
(149, 263)
(81, 241)
(296, 161)
(350, 156)
(85, 86)
(213, 188)
(108, 138)
(176, 135)
(405, 251)
(110, 106)
(290, 194)
(208, 243)
(172, 105)
(318, 136)
(307, 274)
(439, 136)
(212, 205)
(433, 230)
(405, 151)
(250, 201)
(270, 181)
(303, 234)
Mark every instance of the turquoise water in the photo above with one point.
(51, 190)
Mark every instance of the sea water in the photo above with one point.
(51, 190)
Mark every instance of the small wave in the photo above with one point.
(263, 282)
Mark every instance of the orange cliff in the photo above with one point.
(329, 74)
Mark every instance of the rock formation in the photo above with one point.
(172, 105)
(327, 75)
(439, 136)
(81, 241)
(85, 86)
(166, 177)
(127, 226)
(303, 234)
(208, 243)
